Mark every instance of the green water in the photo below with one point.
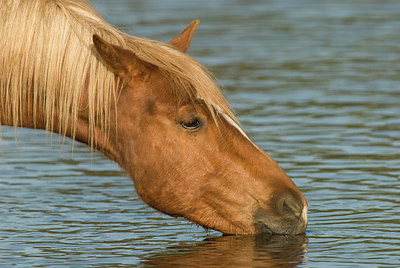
(315, 83)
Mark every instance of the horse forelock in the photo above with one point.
(46, 51)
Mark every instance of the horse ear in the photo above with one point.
(122, 62)
(182, 41)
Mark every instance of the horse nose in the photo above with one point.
(288, 216)
(290, 207)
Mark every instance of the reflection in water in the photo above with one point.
(236, 251)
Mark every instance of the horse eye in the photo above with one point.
(192, 124)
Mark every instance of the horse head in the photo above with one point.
(185, 151)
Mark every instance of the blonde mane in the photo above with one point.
(47, 57)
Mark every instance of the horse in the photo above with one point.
(235, 251)
(146, 105)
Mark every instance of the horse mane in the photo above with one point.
(46, 51)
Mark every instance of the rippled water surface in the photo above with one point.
(315, 83)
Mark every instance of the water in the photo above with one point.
(314, 83)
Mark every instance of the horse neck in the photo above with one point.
(21, 114)
(23, 117)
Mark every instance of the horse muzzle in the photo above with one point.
(288, 217)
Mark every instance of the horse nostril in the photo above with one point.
(292, 206)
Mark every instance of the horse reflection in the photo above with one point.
(236, 251)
